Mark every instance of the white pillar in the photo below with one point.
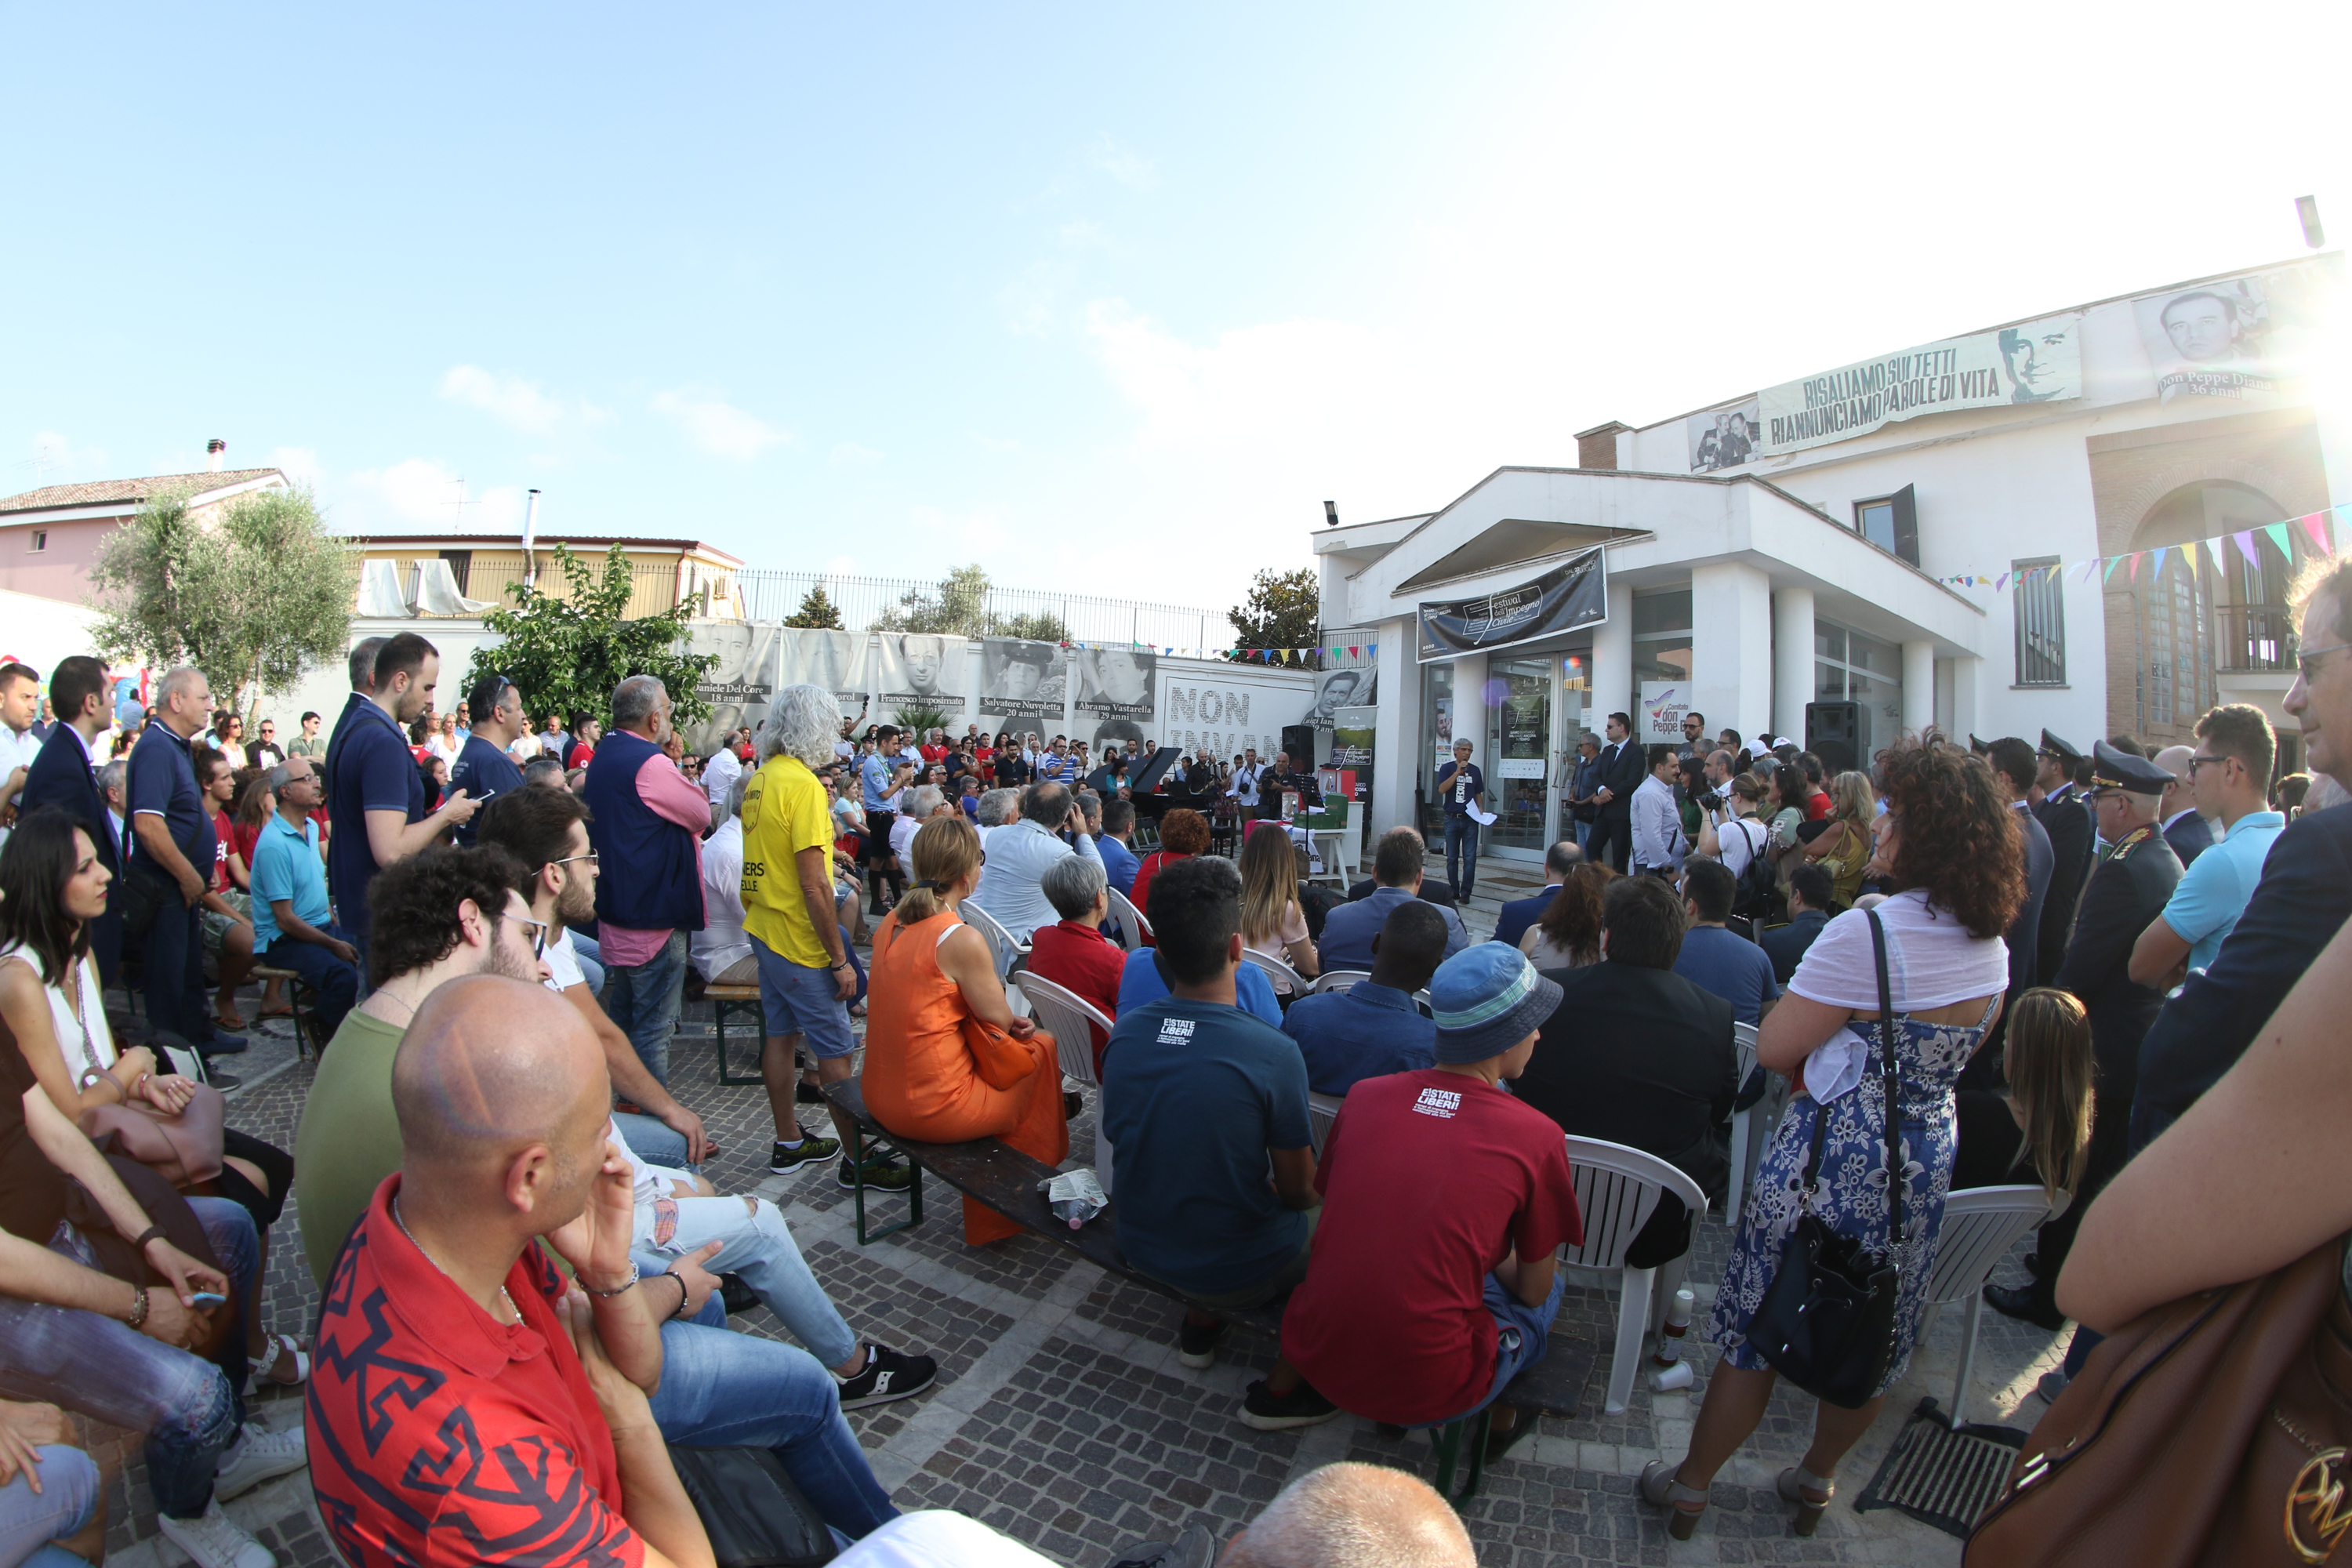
(1396, 736)
(1612, 660)
(1965, 673)
(1792, 659)
(1918, 686)
(1731, 647)
(1470, 707)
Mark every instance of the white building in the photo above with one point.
(1796, 560)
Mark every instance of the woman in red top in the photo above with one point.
(255, 807)
(1183, 833)
(228, 931)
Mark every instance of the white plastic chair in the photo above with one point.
(1743, 1040)
(1132, 926)
(1617, 1190)
(1277, 968)
(1980, 1225)
(1322, 1110)
(1338, 980)
(1070, 1018)
(1008, 948)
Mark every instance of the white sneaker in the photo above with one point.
(214, 1539)
(258, 1454)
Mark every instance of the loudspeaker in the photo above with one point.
(1299, 740)
(1834, 733)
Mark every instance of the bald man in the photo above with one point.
(1347, 1514)
(2177, 818)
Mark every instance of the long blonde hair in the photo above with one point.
(945, 851)
(1269, 884)
(2050, 1070)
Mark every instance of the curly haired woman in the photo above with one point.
(1949, 848)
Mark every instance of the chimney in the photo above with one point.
(1597, 447)
(530, 541)
(215, 455)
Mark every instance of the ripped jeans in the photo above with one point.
(760, 1248)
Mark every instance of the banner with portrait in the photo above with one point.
(919, 669)
(1023, 679)
(2239, 337)
(1116, 683)
(834, 660)
(744, 681)
(1722, 437)
(1573, 594)
(2038, 361)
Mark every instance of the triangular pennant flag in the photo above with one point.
(1996, 587)
(2245, 538)
(2316, 525)
(2135, 564)
(2277, 531)
(2112, 561)
(2213, 548)
(2188, 560)
(2161, 552)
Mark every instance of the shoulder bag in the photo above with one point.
(753, 1514)
(183, 1149)
(1827, 1320)
(2212, 1431)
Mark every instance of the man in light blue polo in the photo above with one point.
(2231, 771)
(878, 784)
(292, 926)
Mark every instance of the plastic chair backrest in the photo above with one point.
(1338, 980)
(1132, 926)
(1743, 1039)
(1275, 969)
(1617, 1190)
(1068, 1016)
(999, 936)
(1322, 1110)
(1980, 1225)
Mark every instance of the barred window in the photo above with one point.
(2039, 597)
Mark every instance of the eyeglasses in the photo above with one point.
(589, 857)
(2196, 762)
(539, 936)
(2307, 661)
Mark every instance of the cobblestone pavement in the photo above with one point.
(1063, 1416)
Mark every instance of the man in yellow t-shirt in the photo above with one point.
(805, 976)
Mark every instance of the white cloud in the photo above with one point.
(422, 495)
(850, 454)
(514, 401)
(299, 463)
(1123, 164)
(718, 427)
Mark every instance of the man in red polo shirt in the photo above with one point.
(1424, 1299)
(470, 1404)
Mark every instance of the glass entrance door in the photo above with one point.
(1518, 748)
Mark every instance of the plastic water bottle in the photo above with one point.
(1668, 1369)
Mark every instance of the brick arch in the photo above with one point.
(2137, 504)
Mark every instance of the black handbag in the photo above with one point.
(753, 1514)
(1827, 1320)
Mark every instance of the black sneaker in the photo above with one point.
(889, 1374)
(738, 1297)
(813, 1150)
(807, 1094)
(1302, 1406)
(1196, 1343)
(882, 1174)
(1072, 1103)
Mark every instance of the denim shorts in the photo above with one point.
(798, 1000)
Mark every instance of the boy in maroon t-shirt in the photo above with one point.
(1424, 1299)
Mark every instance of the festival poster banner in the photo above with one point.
(1663, 703)
(2239, 337)
(1573, 594)
(744, 681)
(1339, 689)
(2039, 362)
(834, 660)
(1722, 439)
(919, 669)
(1021, 678)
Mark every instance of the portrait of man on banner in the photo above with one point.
(739, 687)
(919, 669)
(2239, 337)
(1115, 682)
(1339, 688)
(1022, 678)
(1725, 439)
(834, 660)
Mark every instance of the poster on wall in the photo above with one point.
(1722, 439)
(1021, 678)
(2239, 337)
(1573, 594)
(741, 685)
(2038, 361)
(1663, 705)
(918, 669)
(834, 660)
(1352, 730)
(1116, 683)
(1341, 688)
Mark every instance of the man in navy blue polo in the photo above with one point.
(362, 670)
(171, 851)
(377, 795)
(484, 770)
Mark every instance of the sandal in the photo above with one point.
(228, 1021)
(1660, 1488)
(1793, 1484)
(275, 1013)
(264, 1366)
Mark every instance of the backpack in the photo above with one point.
(1760, 878)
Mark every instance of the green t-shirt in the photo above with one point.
(348, 1139)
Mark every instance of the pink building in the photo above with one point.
(49, 537)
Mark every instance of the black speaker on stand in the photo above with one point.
(1299, 740)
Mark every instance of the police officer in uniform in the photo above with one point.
(2133, 881)
(2057, 804)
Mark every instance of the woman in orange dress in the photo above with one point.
(931, 974)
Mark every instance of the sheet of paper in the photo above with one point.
(1483, 819)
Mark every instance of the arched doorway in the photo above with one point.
(2192, 624)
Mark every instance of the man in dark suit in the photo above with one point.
(1813, 900)
(1519, 914)
(1622, 768)
(1673, 1096)
(63, 776)
(2058, 806)
(2183, 826)
(2128, 890)
(2014, 772)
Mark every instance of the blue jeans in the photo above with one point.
(68, 1496)
(1461, 854)
(592, 961)
(654, 1142)
(106, 1370)
(720, 1389)
(643, 1000)
(1521, 1332)
(1583, 832)
(760, 1248)
(334, 984)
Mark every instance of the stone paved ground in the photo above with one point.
(1062, 1416)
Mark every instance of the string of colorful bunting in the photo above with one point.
(2313, 525)
(1237, 654)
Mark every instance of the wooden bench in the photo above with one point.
(726, 999)
(1005, 1179)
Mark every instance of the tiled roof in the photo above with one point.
(101, 491)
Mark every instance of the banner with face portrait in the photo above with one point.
(744, 681)
(919, 669)
(1722, 439)
(2039, 362)
(834, 660)
(1021, 678)
(2239, 337)
(1116, 683)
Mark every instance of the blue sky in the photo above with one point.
(1106, 298)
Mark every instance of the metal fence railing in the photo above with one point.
(2253, 640)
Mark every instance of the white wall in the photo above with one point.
(323, 687)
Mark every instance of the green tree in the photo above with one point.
(1284, 610)
(817, 610)
(1038, 626)
(569, 653)
(960, 607)
(249, 597)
